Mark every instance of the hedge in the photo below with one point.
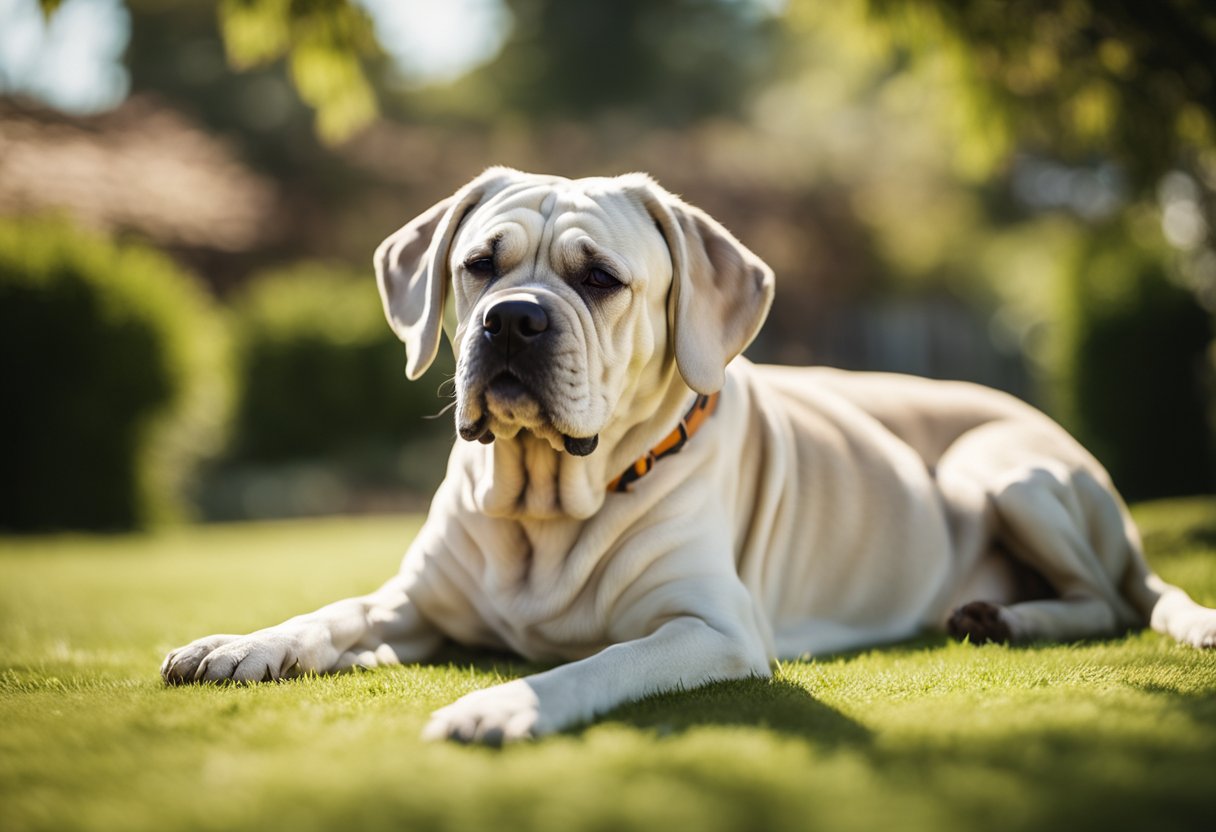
(116, 380)
(321, 373)
(1135, 377)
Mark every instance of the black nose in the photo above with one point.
(512, 325)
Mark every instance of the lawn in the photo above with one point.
(932, 735)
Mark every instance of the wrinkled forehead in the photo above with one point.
(566, 223)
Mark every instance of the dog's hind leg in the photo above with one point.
(1062, 523)
(1049, 507)
(1072, 529)
(1079, 535)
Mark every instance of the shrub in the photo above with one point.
(1133, 370)
(115, 380)
(321, 372)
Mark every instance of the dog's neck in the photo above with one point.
(524, 478)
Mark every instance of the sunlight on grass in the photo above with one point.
(928, 735)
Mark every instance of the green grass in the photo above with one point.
(931, 735)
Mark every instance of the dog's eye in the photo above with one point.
(481, 267)
(600, 279)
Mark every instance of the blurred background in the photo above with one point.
(1017, 193)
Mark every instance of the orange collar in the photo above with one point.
(702, 408)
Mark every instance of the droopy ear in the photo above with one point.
(412, 269)
(720, 293)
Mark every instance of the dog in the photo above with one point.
(633, 501)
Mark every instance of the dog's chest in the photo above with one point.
(539, 593)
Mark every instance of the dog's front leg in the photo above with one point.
(368, 631)
(684, 652)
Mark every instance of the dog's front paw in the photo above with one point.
(180, 665)
(261, 657)
(503, 713)
(1198, 628)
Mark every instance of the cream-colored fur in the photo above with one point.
(815, 511)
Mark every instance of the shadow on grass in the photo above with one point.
(1167, 543)
(1177, 527)
(1080, 778)
(773, 704)
(779, 705)
(1199, 706)
(483, 660)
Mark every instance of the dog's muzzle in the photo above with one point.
(515, 359)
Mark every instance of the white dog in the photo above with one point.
(597, 325)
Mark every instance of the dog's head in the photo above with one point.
(573, 300)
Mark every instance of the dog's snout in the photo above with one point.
(513, 325)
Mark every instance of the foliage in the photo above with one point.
(1133, 380)
(926, 736)
(322, 40)
(115, 380)
(829, 136)
(320, 371)
(1132, 81)
(668, 62)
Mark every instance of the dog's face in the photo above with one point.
(560, 290)
(569, 297)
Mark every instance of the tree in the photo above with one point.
(667, 61)
(1135, 82)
